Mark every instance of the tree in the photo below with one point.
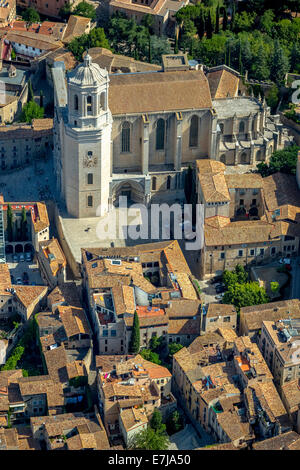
(260, 66)
(30, 15)
(96, 38)
(174, 422)
(280, 65)
(244, 295)
(30, 91)
(209, 26)
(24, 225)
(9, 223)
(273, 98)
(148, 22)
(238, 275)
(31, 111)
(284, 160)
(151, 356)
(217, 28)
(225, 19)
(243, 21)
(295, 58)
(148, 439)
(266, 21)
(85, 9)
(65, 11)
(156, 422)
(174, 348)
(134, 345)
(274, 287)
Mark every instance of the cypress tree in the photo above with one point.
(9, 223)
(24, 225)
(134, 345)
(217, 28)
(209, 26)
(232, 16)
(225, 19)
(240, 58)
(176, 49)
(280, 65)
(30, 92)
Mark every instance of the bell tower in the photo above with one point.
(87, 141)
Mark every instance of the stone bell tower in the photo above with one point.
(87, 141)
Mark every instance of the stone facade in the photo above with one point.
(141, 131)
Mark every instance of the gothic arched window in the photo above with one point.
(154, 183)
(221, 125)
(160, 134)
(258, 155)
(242, 127)
(76, 103)
(126, 137)
(194, 131)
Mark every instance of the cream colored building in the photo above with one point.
(136, 134)
(248, 219)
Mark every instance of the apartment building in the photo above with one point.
(50, 8)
(52, 262)
(279, 343)
(118, 283)
(251, 318)
(127, 384)
(19, 299)
(248, 219)
(233, 397)
(219, 316)
(23, 397)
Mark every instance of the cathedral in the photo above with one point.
(135, 134)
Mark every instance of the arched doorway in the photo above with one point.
(253, 212)
(28, 248)
(133, 191)
(19, 248)
(9, 249)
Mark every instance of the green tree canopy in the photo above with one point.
(174, 348)
(284, 160)
(148, 439)
(280, 65)
(134, 345)
(156, 422)
(244, 295)
(96, 38)
(150, 356)
(85, 9)
(30, 15)
(31, 111)
(174, 422)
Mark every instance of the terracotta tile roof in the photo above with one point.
(9, 439)
(170, 91)
(281, 189)
(280, 442)
(76, 369)
(26, 440)
(74, 320)
(29, 295)
(42, 221)
(244, 181)
(54, 254)
(212, 180)
(291, 393)
(233, 426)
(223, 83)
(273, 311)
(183, 308)
(43, 42)
(105, 363)
(112, 62)
(133, 418)
(222, 310)
(77, 26)
(62, 55)
(184, 327)
(236, 233)
(56, 361)
(5, 280)
(65, 293)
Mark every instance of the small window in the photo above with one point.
(222, 255)
(154, 183)
(90, 201)
(76, 103)
(90, 178)
(160, 134)
(240, 253)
